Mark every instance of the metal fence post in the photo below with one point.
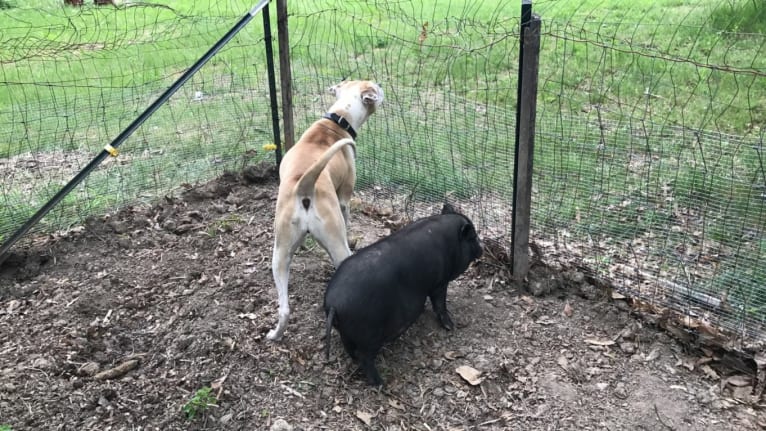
(272, 83)
(527, 106)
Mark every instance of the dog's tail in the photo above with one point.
(330, 317)
(304, 189)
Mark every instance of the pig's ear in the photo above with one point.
(467, 231)
(448, 209)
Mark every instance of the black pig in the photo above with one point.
(377, 293)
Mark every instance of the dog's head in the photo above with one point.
(370, 93)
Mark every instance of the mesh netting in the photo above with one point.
(649, 164)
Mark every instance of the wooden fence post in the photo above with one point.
(285, 74)
(525, 149)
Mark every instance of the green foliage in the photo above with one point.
(740, 16)
(202, 400)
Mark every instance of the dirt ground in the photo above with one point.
(115, 325)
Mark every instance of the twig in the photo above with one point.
(117, 371)
(659, 418)
(490, 422)
(292, 391)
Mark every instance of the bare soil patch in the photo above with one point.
(118, 323)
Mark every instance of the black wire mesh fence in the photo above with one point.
(74, 77)
(649, 164)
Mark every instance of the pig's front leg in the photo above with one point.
(439, 303)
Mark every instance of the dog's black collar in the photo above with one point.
(342, 122)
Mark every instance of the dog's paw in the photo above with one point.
(273, 335)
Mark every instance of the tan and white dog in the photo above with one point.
(317, 177)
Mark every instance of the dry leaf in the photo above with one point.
(527, 299)
(469, 374)
(568, 310)
(687, 363)
(739, 380)
(597, 342)
(743, 393)
(760, 360)
(337, 409)
(395, 404)
(690, 322)
(654, 354)
(364, 417)
(617, 295)
(709, 371)
(218, 383)
(451, 355)
(251, 316)
(563, 362)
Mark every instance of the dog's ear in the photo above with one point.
(372, 96)
(448, 209)
(333, 90)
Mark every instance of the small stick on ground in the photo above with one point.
(117, 371)
(659, 418)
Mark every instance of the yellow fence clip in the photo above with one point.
(111, 150)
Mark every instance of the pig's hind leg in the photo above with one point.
(365, 358)
(349, 346)
(439, 303)
(367, 362)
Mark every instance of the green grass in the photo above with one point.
(648, 111)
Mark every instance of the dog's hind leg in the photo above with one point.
(332, 236)
(284, 248)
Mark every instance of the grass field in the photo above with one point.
(649, 112)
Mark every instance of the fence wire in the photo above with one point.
(650, 164)
(649, 156)
(72, 78)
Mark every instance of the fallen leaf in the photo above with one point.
(251, 316)
(545, 320)
(568, 310)
(679, 387)
(563, 362)
(527, 299)
(598, 342)
(709, 371)
(654, 354)
(760, 360)
(617, 295)
(743, 393)
(687, 363)
(738, 380)
(690, 322)
(469, 374)
(451, 355)
(364, 417)
(395, 404)
(602, 386)
(337, 409)
(218, 383)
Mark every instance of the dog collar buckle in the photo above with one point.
(342, 122)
